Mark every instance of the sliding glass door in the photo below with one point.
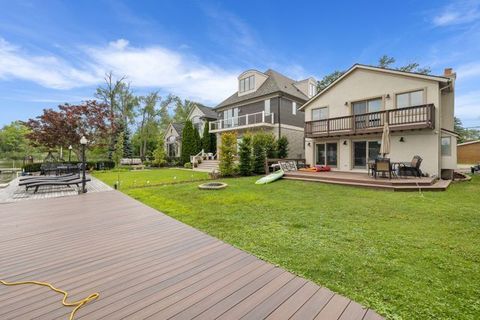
(327, 154)
(364, 151)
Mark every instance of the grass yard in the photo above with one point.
(406, 255)
(142, 178)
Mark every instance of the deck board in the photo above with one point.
(145, 265)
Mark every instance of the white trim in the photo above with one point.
(378, 69)
(467, 143)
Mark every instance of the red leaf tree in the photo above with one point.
(66, 126)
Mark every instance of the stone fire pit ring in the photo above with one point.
(212, 186)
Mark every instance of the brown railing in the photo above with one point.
(416, 117)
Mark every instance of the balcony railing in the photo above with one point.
(252, 119)
(417, 117)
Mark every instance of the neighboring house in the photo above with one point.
(200, 115)
(469, 152)
(344, 122)
(267, 101)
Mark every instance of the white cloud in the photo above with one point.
(152, 66)
(461, 12)
(48, 71)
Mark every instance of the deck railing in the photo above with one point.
(242, 121)
(416, 117)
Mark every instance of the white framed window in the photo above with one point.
(320, 113)
(410, 99)
(247, 84)
(446, 146)
(294, 107)
(267, 107)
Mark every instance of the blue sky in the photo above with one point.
(53, 52)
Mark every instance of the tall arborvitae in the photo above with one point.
(189, 145)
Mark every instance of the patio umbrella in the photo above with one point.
(385, 144)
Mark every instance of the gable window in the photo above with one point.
(446, 146)
(294, 107)
(410, 99)
(247, 84)
(267, 107)
(312, 89)
(320, 113)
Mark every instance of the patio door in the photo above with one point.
(326, 154)
(364, 151)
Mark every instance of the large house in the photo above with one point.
(345, 120)
(200, 115)
(267, 101)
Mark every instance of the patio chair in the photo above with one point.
(39, 184)
(412, 168)
(382, 166)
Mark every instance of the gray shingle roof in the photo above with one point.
(178, 127)
(275, 82)
(207, 111)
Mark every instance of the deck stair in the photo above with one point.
(363, 180)
(208, 165)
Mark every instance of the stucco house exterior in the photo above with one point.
(344, 121)
(267, 101)
(200, 115)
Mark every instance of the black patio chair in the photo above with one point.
(411, 168)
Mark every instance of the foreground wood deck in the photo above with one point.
(145, 265)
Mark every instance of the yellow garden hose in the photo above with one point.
(77, 304)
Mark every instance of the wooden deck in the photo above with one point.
(360, 179)
(145, 265)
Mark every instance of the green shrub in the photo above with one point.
(159, 156)
(282, 147)
(245, 155)
(32, 167)
(259, 154)
(228, 152)
(188, 165)
(189, 144)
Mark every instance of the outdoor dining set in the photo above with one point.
(385, 167)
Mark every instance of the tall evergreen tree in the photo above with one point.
(206, 138)
(197, 141)
(228, 152)
(245, 154)
(282, 147)
(259, 154)
(127, 143)
(189, 145)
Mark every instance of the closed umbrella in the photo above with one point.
(385, 144)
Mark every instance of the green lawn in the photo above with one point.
(141, 178)
(406, 255)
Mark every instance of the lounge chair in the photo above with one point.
(412, 167)
(382, 166)
(27, 178)
(39, 184)
(52, 179)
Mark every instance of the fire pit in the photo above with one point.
(213, 186)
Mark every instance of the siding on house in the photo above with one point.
(469, 153)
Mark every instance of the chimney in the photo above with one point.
(448, 72)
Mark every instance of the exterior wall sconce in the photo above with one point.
(309, 144)
(387, 96)
(344, 142)
(402, 139)
(346, 103)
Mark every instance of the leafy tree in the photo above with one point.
(245, 155)
(197, 141)
(182, 109)
(385, 61)
(118, 152)
(14, 142)
(259, 154)
(328, 79)
(465, 134)
(189, 144)
(228, 152)
(127, 143)
(282, 147)
(66, 126)
(159, 156)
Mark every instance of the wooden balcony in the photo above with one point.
(247, 121)
(411, 118)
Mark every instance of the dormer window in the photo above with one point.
(247, 84)
(312, 89)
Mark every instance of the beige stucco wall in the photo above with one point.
(447, 108)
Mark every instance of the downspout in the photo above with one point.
(279, 122)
